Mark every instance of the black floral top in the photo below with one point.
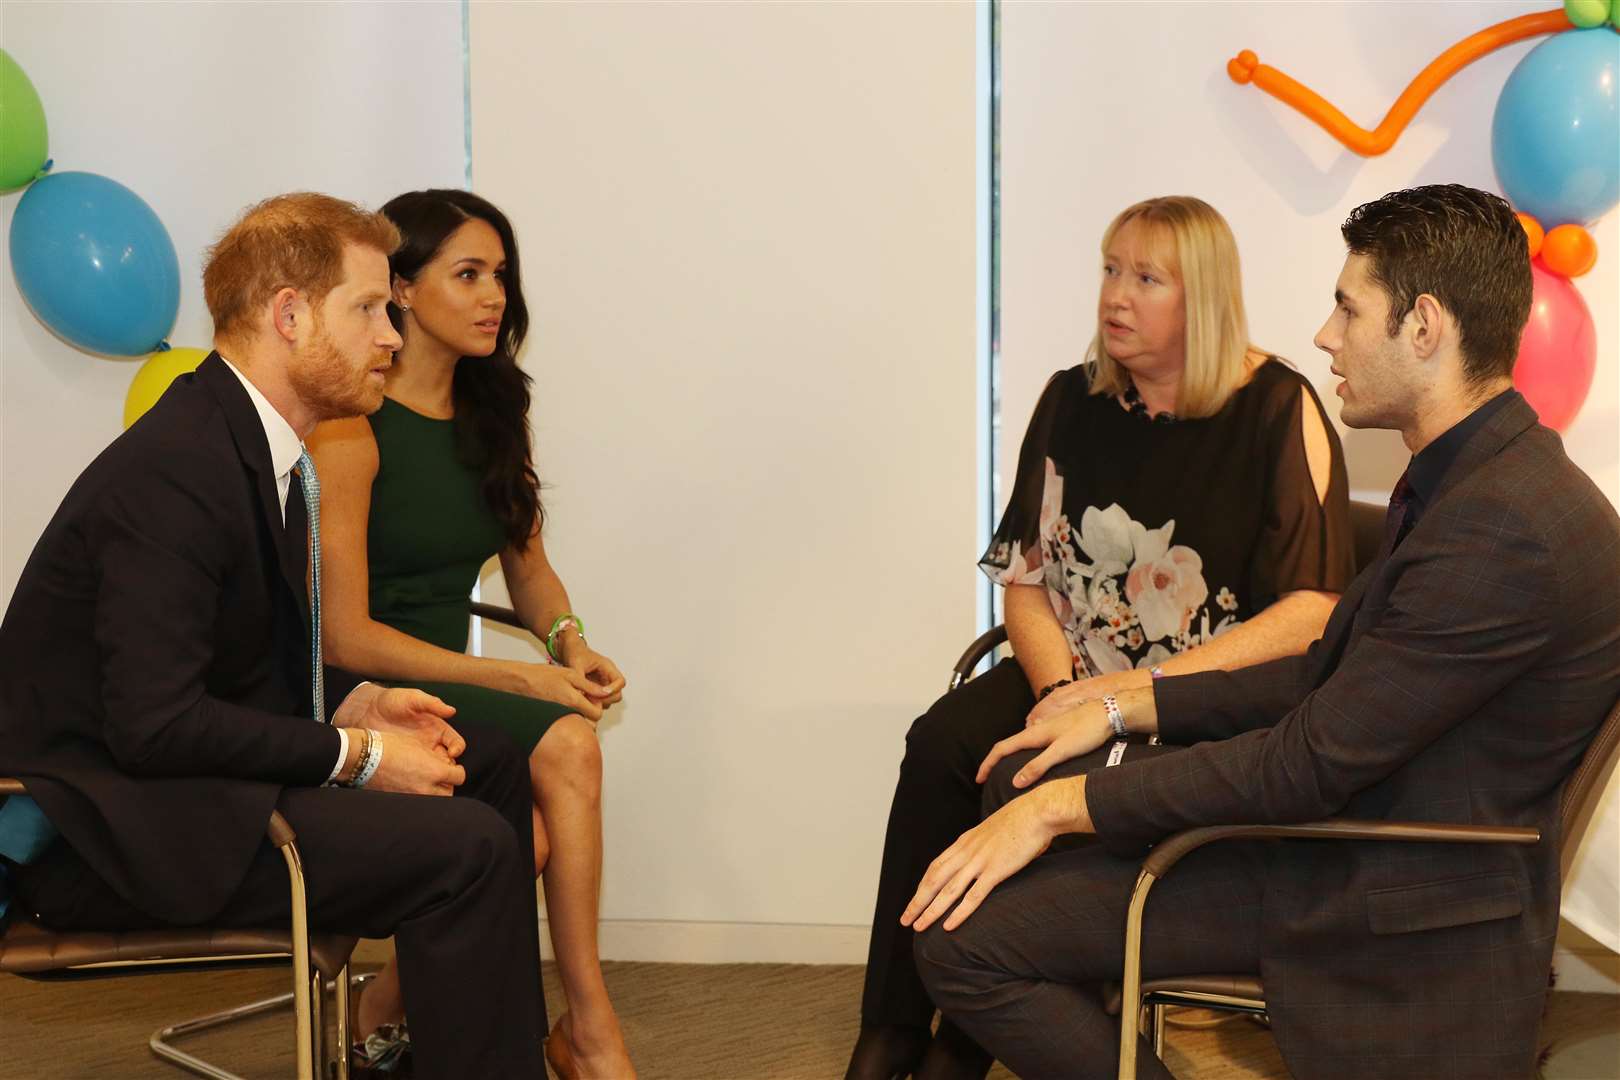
(1154, 537)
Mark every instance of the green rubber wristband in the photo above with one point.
(559, 624)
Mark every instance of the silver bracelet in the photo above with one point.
(1115, 717)
(372, 759)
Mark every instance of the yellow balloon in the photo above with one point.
(159, 370)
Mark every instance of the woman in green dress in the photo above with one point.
(414, 500)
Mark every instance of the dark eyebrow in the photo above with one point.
(1340, 298)
(473, 260)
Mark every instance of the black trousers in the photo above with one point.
(935, 801)
(452, 879)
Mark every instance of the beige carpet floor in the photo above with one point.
(683, 1022)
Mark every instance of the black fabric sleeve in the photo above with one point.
(1014, 555)
(1305, 542)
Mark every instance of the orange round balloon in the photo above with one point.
(1532, 233)
(1569, 250)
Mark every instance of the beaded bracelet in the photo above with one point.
(1115, 717)
(372, 758)
(1045, 690)
(558, 627)
(360, 737)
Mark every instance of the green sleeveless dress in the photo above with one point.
(429, 534)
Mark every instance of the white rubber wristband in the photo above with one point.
(1115, 717)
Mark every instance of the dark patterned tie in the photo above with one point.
(1399, 519)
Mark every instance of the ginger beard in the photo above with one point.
(333, 385)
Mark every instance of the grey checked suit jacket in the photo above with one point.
(1459, 680)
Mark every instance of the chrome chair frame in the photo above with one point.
(138, 953)
(1577, 805)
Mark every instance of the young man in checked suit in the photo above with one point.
(1459, 679)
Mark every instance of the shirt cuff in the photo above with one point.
(343, 754)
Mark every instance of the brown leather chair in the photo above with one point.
(1245, 993)
(31, 951)
(1366, 528)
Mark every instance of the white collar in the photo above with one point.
(285, 445)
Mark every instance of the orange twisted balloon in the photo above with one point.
(1246, 67)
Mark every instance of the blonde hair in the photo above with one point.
(1197, 246)
(287, 241)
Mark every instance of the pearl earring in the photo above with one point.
(404, 307)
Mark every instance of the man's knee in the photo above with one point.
(475, 844)
(998, 786)
(945, 963)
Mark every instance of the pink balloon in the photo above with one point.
(1558, 352)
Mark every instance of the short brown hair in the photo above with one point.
(291, 241)
(1463, 247)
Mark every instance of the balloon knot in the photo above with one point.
(1240, 69)
(50, 163)
(163, 346)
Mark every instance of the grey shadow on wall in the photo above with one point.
(1270, 147)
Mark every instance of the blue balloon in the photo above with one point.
(95, 263)
(1555, 139)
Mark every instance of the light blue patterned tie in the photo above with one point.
(311, 485)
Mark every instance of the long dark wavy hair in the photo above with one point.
(491, 394)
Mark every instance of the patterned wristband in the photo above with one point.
(1115, 717)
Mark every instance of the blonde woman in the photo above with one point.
(1180, 505)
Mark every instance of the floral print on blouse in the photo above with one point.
(1151, 539)
(1119, 588)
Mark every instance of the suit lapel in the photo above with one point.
(247, 430)
(1513, 420)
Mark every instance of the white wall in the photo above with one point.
(203, 109)
(749, 249)
(1107, 103)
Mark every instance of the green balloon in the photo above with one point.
(23, 141)
(1586, 14)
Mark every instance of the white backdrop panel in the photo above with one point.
(749, 252)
